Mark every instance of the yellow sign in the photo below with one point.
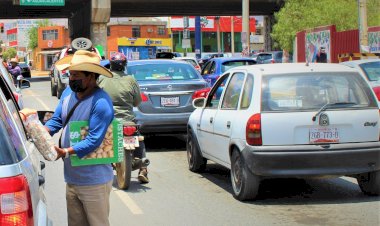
(144, 42)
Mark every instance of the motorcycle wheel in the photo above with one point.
(124, 171)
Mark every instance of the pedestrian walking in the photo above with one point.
(87, 187)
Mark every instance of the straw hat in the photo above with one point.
(14, 60)
(83, 60)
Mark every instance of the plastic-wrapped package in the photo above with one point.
(42, 139)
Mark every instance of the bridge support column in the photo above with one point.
(80, 20)
(268, 25)
(100, 16)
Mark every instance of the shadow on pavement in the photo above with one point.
(285, 191)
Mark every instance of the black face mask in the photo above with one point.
(76, 86)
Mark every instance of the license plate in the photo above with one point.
(323, 135)
(170, 101)
(131, 140)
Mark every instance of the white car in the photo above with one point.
(192, 60)
(288, 120)
(370, 68)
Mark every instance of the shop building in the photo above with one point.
(51, 40)
(138, 39)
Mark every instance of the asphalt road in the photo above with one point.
(176, 196)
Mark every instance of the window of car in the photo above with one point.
(192, 62)
(12, 149)
(311, 91)
(212, 68)
(206, 69)
(231, 64)
(247, 92)
(264, 56)
(233, 90)
(164, 71)
(215, 94)
(371, 70)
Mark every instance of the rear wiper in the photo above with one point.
(328, 105)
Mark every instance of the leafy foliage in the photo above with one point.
(33, 33)
(298, 15)
(9, 53)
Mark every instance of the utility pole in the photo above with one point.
(217, 20)
(232, 36)
(363, 27)
(245, 18)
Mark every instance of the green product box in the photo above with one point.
(111, 149)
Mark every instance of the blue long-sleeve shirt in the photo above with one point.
(97, 109)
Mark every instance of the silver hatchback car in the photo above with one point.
(22, 199)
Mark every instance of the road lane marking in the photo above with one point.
(46, 108)
(128, 201)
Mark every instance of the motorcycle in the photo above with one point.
(132, 140)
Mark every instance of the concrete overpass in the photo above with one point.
(88, 18)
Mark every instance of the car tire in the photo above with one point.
(53, 87)
(124, 171)
(369, 183)
(60, 88)
(194, 158)
(245, 184)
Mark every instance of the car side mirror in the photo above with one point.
(44, 116)
(199, 102)
(24, 84)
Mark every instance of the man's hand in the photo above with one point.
(61, 153)
(25, 112)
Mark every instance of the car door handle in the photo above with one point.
(211, 119)
(228, 124)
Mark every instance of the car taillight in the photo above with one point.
(201, 93)
(377, 92)
(129, 130)
(253, 130)
(273, 61)
(144, 97)
(15, 202)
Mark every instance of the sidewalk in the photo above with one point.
(35, 73)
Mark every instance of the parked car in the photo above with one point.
(25, 69)
(8, 78)
(167, 55)
(21, 172)
(205, 58)
(59, 80)
(167, 89)
(192, 60)
(217, 66)
(370, 69)
(270, 57)
(288, 120)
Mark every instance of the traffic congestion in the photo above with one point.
(173, 121)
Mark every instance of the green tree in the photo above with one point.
(33, 33)
(9, 53)
(298, 15)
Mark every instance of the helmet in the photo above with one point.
(118, 62)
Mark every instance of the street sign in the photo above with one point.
(186, 43)
(42, 2)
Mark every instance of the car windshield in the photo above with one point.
(314, 90)
(163, 71)
(231, 64)
(372, 70)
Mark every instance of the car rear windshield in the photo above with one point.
(192, 62)
(372, 70)
(164, 71)
(231, 64)
(311, 91)
(265, 56)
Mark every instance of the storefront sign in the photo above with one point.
(144, 42)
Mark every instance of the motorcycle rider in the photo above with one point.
(125, 94)
(14, 69)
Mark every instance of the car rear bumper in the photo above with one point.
(313, 160)
(162, 123)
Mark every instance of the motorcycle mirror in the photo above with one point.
(44, 116)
